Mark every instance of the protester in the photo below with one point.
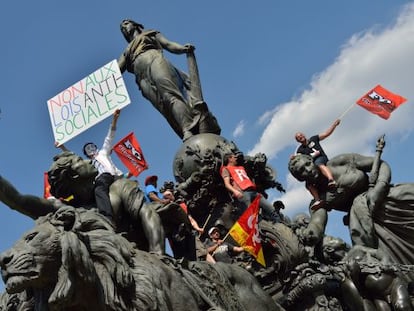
(243, 188)
(220, 250)
(151, 192)
(190, 246)
(313, 148)
(107, 171)
(169, 196)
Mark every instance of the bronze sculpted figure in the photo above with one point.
(77, 259)
(81, 264)
(166, 87)
(380, 215)
(72, 177)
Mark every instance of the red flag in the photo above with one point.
(381, 101)
(46, 186)
(129, 152)
(246, 232)
(46, 189)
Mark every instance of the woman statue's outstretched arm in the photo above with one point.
(28, 205)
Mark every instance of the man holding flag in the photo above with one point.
(312, 147)
(245, 232)
(220, 250)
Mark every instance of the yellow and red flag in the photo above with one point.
(246, 232)
(129, 152)
(381, 102)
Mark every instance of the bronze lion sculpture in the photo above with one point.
(73, 260)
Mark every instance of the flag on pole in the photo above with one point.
(129, 152)
(381, 102)
(246, 232)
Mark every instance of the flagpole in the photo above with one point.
(227, 234)
(205, 223)
(346, 111)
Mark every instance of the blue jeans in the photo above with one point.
(267, 208)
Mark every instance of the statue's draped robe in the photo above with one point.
(392, 223)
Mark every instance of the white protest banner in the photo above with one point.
(87, 102)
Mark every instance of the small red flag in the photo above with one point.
(129, 152)
(381, 101)
(246, 232)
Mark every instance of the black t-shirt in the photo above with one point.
(312, 145)
(223, 253)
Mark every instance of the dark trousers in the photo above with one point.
(103, 203)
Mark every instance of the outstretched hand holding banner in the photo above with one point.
(87, 102)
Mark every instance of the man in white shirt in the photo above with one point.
(107, 171)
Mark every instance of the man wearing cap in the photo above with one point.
(220, 250)
(151, 192)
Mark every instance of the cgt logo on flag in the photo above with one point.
(129, 152)
(381, 102)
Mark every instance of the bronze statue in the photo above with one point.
(372, 283)
(72, 178)
(381, 215)
(167, 88)
(76, 259)
(81, 264)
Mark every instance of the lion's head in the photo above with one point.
(70, 175)
(71, 254)
(27, 264)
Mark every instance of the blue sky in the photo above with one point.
(268, 69)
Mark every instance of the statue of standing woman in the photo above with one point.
(166, 87)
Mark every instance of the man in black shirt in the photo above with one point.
(313, 148)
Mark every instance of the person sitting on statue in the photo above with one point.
(242, 188)
(169, 196)
(380, 215)
(71, 176)
(166, 87)
(151, 192)
(107, 170)
(313, 148)
(221, 251)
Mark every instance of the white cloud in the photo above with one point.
(239, 130)
(373, 57)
